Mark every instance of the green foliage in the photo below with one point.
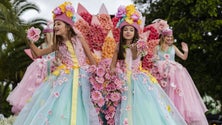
(13, 60)
(199, 23)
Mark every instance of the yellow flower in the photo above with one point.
(128, 20)
(63, 7)
(130, 8)
(139, 21)
(69, 14)
(168, 108)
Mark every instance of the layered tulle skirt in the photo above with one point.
(55, 104)
(179, 86)
(145, 103)
(35, 73)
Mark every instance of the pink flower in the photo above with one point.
(97, 86)
(100, 79)
(33, 34)
(166, 56)
(92, 68)
(96, 95)
(163, 83)
(142, 47)
(100, 71)
(56, 94)
(179, 92)
(70, 8)
(161, 25)
(107, 76)
(128, 108)
(115, 96)
(164, 75)
(111, 122)
(57, 11)
(124, 98)
(125, 122)
(135, 17)
(121, 12)
(101, 102)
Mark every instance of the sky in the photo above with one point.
(93, 6)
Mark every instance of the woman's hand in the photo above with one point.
(134, 51)
(184, 47)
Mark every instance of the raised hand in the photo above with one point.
(184, 46)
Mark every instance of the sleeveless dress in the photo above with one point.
(179, 86)
(35, 73)
(143, 100)
(64, 97)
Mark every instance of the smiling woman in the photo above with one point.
(92, 6)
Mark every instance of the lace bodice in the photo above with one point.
(132, 64)
(72, 58)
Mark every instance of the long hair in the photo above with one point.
(57, 40)
(122, 42)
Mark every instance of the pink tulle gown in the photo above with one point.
(34, 75)
(179, 86)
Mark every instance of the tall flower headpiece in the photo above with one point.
(64, 12)
(129, 15)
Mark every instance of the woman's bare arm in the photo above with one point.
(183, 55)
(87, 50)
(40, 52)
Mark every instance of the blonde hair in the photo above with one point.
(162, 41)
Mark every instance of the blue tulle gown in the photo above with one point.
(64, 97)
(143, 101)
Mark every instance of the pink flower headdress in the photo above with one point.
(129, 16)
(64, 12)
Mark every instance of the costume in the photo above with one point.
(143, 101)
(35, 73)
(63, 98)
(179, 86)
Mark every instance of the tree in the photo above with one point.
(13, 60)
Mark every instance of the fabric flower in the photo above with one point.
(86, 16)
(121, 12)
(65, 8)
(97, 37)
(130, 15)
(33, 34)
(142, 47)
(105, 91)
(108, 47)
(96, 95)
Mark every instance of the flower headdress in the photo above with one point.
(129, 16)
(167, 32)
(64, 12)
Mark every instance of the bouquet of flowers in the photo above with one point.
(142, 47)
(33, 34)
(105, 91)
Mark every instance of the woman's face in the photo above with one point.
(60, 28)
(128, 32)
(168, 39)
